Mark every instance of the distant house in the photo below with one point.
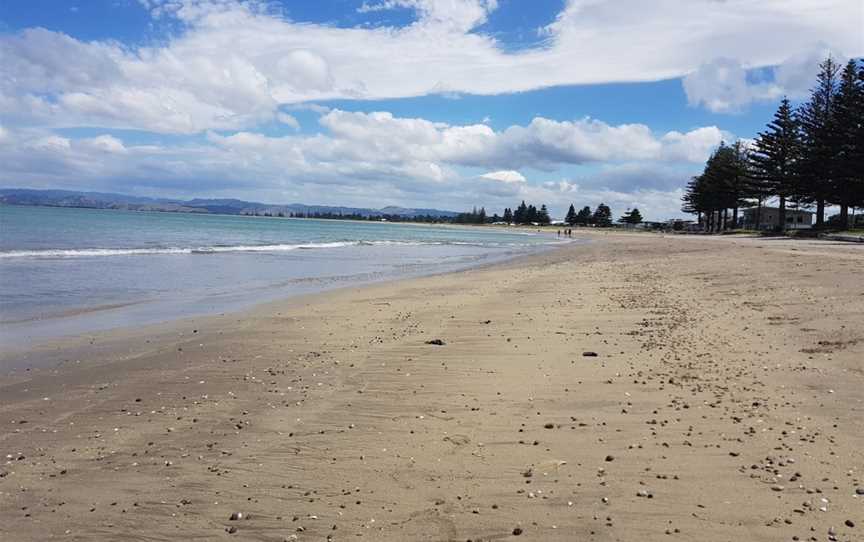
(769, 219)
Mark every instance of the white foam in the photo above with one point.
(105, 252)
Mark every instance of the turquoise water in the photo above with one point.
(70, 271)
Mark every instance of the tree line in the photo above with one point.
(523, 215)
(808, 156)
(601, 217)
(327, 215)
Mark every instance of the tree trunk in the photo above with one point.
(735, 218)
(844, 216)
(699, 219)
(781, 214)
(759, 213)
(820, 213)
(725, 219)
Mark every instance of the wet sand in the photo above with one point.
(637, 388)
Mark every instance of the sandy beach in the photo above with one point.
(639, 387)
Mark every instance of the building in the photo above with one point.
(769, 219)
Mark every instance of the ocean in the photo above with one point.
(66, 271)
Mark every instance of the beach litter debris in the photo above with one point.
(436, 342)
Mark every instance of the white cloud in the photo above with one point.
(725, 85)
(235, 63)
(374, 159)
(288, 120)
(722, 87)
(505, 176)
(543, 143)
(105, 143)
(456, 15)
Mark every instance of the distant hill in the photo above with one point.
(99, 200)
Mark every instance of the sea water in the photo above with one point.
(66, 271)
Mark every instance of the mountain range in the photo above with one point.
(99, 200)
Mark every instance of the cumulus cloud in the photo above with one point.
(725, 85)
(371, 159)
(722, 87)
(235, 63)
(543, 143)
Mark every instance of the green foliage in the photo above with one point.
(602, 217)
(571, 216)
(632, 217)
(543, 215)
(474, 217)
(818, 140)
(809, 156)
(584, 216)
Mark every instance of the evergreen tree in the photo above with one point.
(570, 219)
(543, 215)
(508, 215)
(738, 178)
(584, 216)
(774, 158)
(481, 216)
(602, 217)
(631, 217)
(521, 214)
(531, 215)
(692, 200)
(817, 166)
(847, 180)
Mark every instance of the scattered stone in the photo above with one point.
(549, 425)
(589, 354)
(236, 516)
(609, 458)
(517, 531)
(849, 523)
(436, 342)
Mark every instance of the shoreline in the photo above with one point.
(167, 327)
(317, 415)
(305, 276)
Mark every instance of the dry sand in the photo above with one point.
(725, 402)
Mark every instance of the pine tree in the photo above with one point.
(817, 166)
(584, 216)
(481, 216)
(738, 181)
(602, 216)
(520, 216)
(847, 184)
(508, 215)
(632, 217)
(774, 158)
(543, 215)
(570, 219)
(531, 215)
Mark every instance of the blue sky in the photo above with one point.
(433, 103)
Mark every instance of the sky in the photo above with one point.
(447, 104)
